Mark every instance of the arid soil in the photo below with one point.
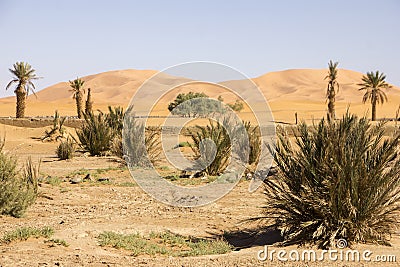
(80, 212)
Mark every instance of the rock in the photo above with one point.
(103, 179)
(88, 177)
(76, 180)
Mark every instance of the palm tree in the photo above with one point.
(23, 77)
(331, 89)
(373, 83)
(78, 91)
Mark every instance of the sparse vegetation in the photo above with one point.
(340, 180)
(23, 233)
(66, 149)
(165, 243)
(95, 135)
(18, 189)
(24, 75)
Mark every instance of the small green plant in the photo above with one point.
(54, 180)
(23, 233)
(18, 189)
(340, 180)
(95, 135)
(66, 149)
(214, 160)
(58, 130)
(57, 241)
(165, 243)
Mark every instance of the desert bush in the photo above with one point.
(341, 179)
(95, 135)
(254, 142)
(18, 190)
(66, 149)
(142, 145)
(115, 119)
(215, 159)
(57, 131)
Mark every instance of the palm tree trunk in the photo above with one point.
(374, 110)
(331, 104)
(79, 105)
(21, 102)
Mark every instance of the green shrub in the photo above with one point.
(137, 152)
(18, 190)
(66, 149)
(340, 180)
(254, 143)
(95, 135)
(215, 159)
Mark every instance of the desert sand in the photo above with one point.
(287, 92)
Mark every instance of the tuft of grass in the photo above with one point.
(165, 243)
(66, 149)
(23, 233)
(57, 241)
(340, 180)
(54, 180)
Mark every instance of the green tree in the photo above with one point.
(333, 87)
(373, 83)
(186, 109)
(23, 77)
(78, 91)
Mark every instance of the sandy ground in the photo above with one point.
(78, 213)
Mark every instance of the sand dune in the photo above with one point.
(299, 90)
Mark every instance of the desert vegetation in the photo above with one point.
(335, 179)
(340, 179)
(18, 188)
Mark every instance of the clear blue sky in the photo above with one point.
(66, 39)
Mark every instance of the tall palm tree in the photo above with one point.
(78, 91)
(333, 86)
(373, 83)
(23, 77)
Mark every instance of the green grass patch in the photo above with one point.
(23, 233)
(54, 180)
(164, 243)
